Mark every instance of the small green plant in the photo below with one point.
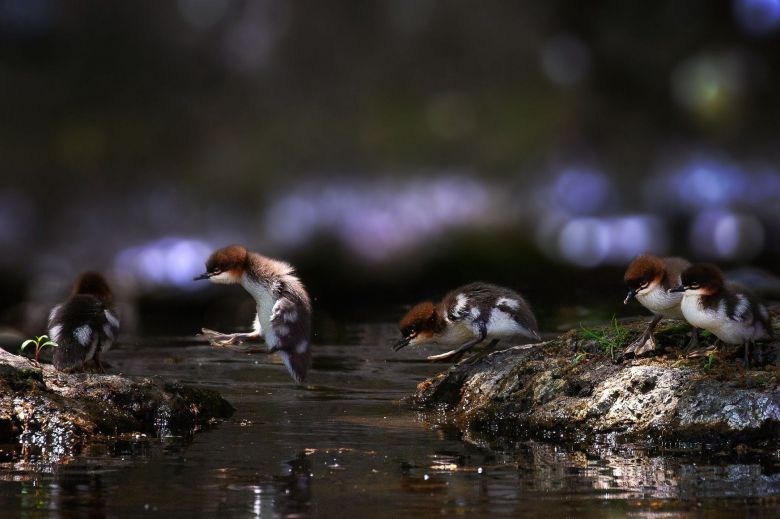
(40, 343)
(578, 358)
(608, 338)
(709, 360)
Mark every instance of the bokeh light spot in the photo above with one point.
(725, 235)
(758, 17)
(581, 190)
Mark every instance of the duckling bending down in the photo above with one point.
(283, 310)
(730, 312)
(649, 279)
(85, 326)
(468, 316)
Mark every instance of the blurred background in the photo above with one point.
(391, 150)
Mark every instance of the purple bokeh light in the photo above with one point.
(726, 235)
(705, 180)
(378, 220)
(169, 261)
(581, 190)
(588, 241)
(758, 17)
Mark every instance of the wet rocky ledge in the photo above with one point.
(573, 387)
(57, 413)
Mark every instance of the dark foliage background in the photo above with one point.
(390, 149)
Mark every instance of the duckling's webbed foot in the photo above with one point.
(642, 345)
(693, 344)
(646, 342)
(228, 339)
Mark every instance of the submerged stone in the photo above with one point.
(572, 386)
(58, 412)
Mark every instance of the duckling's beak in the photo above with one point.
(678, 288)
(401, 344)
(205, 275)
(631, 295)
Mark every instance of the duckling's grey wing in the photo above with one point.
(521, 312)
(745, 306)
(290, 324)
(457, 305)
(109, 328)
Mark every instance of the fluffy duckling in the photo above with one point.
(649, 279)
(729, 311)
(283, 310)
(85, 326)
(468, 316)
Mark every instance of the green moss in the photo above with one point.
(608, 338)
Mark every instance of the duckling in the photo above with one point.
(729, 311)
(468, 316)
(85, 326)
(283, 316)
(649, 278)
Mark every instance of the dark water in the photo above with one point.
(345, 447)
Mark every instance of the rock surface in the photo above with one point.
(572, 386)
(57, 412)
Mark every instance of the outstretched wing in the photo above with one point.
(290, 325)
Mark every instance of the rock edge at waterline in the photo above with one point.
(57, 412)
(572, 387)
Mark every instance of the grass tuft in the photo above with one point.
(608, 338)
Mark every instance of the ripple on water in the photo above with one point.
(344, 445)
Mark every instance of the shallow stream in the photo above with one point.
(345, 446)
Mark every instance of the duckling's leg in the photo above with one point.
(694, 342)
(98, 364)
(692, 349)
(747, 354)
(479, 355)
(457, 351)
(646, 341)
(480, 332)
(228, 339)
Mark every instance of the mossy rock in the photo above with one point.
(572, 387)
(59, 412)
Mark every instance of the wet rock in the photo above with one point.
(573, 386)
(56, 412)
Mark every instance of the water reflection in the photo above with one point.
(346, 446)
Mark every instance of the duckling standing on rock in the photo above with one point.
(731, 312)
(466, 317)
(283, 309)
(649, 279)
(85, 326)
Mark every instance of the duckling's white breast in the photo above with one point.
(661, 302)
